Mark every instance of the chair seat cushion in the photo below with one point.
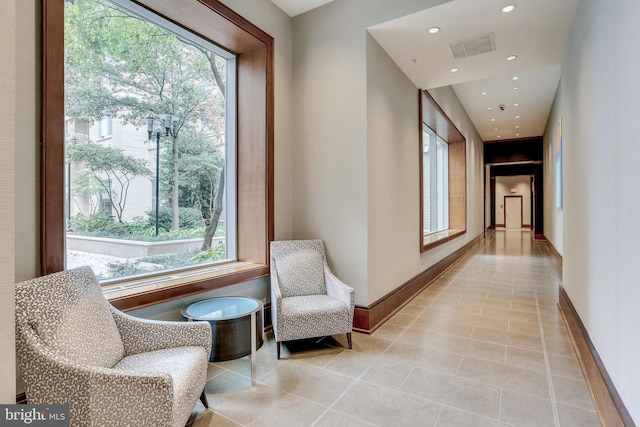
(312, 316)
(186, 366)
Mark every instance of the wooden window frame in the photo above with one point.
(436, 119)
(217, 23)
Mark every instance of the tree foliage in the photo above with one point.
(120, 65)
(111, 168)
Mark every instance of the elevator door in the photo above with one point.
(513, 212)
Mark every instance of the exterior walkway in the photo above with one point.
(484, 345)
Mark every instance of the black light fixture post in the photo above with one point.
(167, 118)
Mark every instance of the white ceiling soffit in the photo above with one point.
(296, 7)
(536, 31)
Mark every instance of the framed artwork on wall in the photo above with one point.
(558, 142)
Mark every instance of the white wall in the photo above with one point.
(552, 216)
(522, 185)
(8, 71)
(27, 141)
(355, 120)
(599, 104)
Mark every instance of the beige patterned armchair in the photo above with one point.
(112, 369)
(307, 300)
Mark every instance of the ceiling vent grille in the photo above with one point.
(471, 46)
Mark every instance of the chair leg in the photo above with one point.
(278, 349)
(203, 398)
(349, 340)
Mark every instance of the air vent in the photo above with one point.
(477, 45)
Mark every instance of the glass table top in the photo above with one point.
(221, 308)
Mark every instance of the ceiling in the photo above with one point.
(536, 31)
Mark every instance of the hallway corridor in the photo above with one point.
(483, 345)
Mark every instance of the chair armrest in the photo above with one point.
(142, 335)
(276, 299)
(93, 393)
(338, 290)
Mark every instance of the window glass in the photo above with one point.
(149, 146)
(435, 185)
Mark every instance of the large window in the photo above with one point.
(167, 94)
(443, 215)
(157, 161)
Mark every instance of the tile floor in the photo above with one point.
(484, 345)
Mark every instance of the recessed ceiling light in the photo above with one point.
(454, 70)
(517, 134)
(493, 120)
(499, 136)
(517, 117)
(489, 108)
(514, 78)
(508, 9)
(516, 104)
(483, 93)
(434, 30)
(517, 127)
(515, 88)
(495, 128)
(511, 57)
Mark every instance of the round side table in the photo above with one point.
(236, 326)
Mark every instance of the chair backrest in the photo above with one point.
(69, 314)
(299, 265)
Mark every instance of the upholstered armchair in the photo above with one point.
(112, 369)
(307, 300)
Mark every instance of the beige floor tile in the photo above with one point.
(467, 351)
(400, 319)
(369, 344)
(572, 392)
(232, 396)
(509, 314)
(340, 419)
(387, 373)
(524, 410)
(417, 336)
(290, 411)
(318, 385)
(482, 321)
(470, 347)
(559, 346)
(212, 419)
(452, 417)
(565, 367)
(351, 363)
(265, 363)
(513, 339)
(526, 359)
(486, 302)
(505, 376)
(452, 326)
(388, 331)
(522, 327)
(412, 311)
(576, 417)
(386, 407)
(421, 357)
(481, 399)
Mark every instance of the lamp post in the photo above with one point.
(166, 118)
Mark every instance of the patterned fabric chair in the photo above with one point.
(307, 300)
(112, 369)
